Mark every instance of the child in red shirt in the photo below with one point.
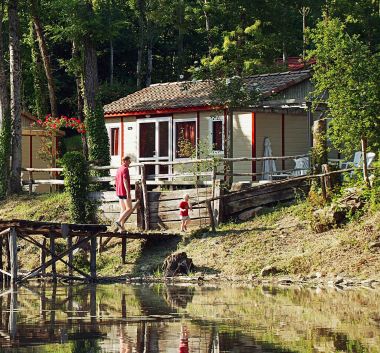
(184, 207)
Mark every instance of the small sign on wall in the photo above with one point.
(130, 128)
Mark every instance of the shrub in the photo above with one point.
(75, 170)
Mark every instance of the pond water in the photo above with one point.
(187, 319)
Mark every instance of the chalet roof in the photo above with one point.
(174, 95)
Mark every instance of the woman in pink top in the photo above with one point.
(123, 192)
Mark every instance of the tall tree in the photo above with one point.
(350, 74)
(5, 119)
(45, 56)
(15, 84)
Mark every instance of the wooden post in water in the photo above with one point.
(93, 244)
(43, 257)
(70, 255)
(145, 198)
(52, 250)
(123, 306)
(12, 325)
(13, 254)
(123, 250)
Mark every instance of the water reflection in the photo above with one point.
(186, 319)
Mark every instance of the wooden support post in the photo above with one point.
(93, 244)
(364, 154)
(123, 250)
(211, 215)
(327, 179)
(70, 255)
(217, 204)
(7, 250)
(323, 187)
(13, 254)
(1, 259)
(319, 145)
(30, 183)
(43, 257)
(140, 208)
(53, 257)
(145, 198)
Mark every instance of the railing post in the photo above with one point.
(145, 198)
(140, 207)
(30, 182)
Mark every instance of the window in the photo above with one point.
(185, 134)
(114, 141)
(216, 131)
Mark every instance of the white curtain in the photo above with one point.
(269, 166)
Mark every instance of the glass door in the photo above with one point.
(154, 144)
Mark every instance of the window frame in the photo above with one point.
(187, 120)
(112, 141)
(211, 132)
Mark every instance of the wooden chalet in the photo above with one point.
(31, 144)
(146, 124)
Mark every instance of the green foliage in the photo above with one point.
(97, 137)
(348, 74)
(75, 171)
(5, 151)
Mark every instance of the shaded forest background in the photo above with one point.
(139, 42)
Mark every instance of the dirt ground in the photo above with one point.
(282, 238)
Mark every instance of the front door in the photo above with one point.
(154, 144)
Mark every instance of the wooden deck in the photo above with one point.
(76, 236)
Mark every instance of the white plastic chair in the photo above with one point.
(358, 160)
(301, 166)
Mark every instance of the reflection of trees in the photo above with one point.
(86, 346)
(178, 297)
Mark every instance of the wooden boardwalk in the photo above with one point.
(43, 235)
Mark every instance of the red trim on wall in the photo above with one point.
(122, 139)
(283, 138)
(198, 128)
(253, 144)
(162, 111)
(30, 151)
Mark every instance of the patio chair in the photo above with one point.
(358, 160)
(301, 166)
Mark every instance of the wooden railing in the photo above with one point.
(214, 166)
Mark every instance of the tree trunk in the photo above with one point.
(141, 43)
(90, 75)
(5, 118)
(79, 88)
(364, 154)
(149, 53)
(207, 24)
(111, 61)
(319, 145)
(4, 97)
(15, 82)
(39, 83)
(45, 58)
(180, 54)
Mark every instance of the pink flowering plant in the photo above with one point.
(52, 125)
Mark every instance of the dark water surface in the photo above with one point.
(187, 319)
